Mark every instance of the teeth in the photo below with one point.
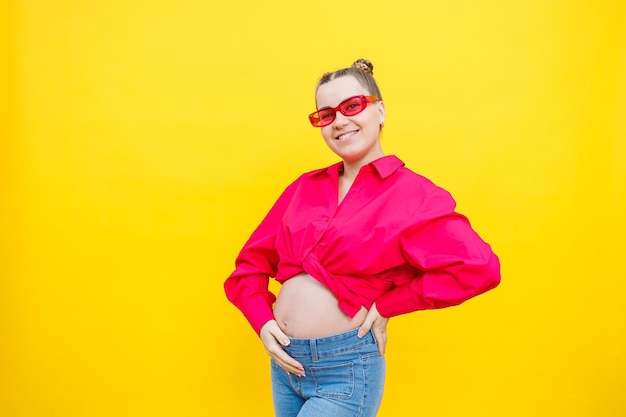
(345, 135)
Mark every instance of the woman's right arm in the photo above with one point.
(247, 286)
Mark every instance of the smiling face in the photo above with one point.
(353, 138)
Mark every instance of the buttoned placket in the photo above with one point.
(327, 220)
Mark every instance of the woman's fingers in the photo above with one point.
(274, 339)
(367, 323)
(288, 363)
(378, 325)
(370, 318)
(271, 332)
(379, 330)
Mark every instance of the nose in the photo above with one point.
(340, 120)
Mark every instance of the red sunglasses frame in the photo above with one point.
(316, 120)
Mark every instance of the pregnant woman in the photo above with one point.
(352, 244)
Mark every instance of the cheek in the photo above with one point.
(371, 122)
(327, 133)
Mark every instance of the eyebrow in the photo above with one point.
(345, 99)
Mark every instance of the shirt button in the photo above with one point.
(327, 219)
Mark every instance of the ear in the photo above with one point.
(383, 114)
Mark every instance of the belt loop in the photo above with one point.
(313, 343)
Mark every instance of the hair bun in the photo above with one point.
(364, 65)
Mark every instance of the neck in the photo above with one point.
(351, 168)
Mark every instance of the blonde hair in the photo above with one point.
(362, 70)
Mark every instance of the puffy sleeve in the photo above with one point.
(247, 286)
(451, 260)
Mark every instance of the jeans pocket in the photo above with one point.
(334, 381)
(370, 355)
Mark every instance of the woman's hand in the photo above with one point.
(274, 339)
(378, 325)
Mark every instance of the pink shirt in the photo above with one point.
(395, 240)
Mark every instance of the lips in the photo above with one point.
(346, 135)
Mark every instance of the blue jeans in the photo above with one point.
(345, 376)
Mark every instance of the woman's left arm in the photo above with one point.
(452, 262)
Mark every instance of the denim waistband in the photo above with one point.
(328, 345)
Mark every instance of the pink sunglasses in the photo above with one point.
(349, 107)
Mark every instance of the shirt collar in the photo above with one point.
(384, 166)
(387, 165)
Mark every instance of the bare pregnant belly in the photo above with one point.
(306, 308)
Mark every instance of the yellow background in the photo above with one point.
(142, 141)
